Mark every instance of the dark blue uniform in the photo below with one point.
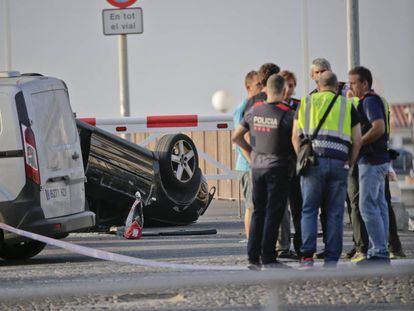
(372, 108)
(270, 126)
(295, 195)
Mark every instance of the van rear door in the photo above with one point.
(60, 159)
(12, 171)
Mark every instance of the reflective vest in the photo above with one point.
(365, 127)
(386, 109)
(334, 137)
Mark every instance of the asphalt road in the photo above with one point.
(60, 280)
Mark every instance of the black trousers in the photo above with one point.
(295, 202)
(360, 235)
(270, 193)
(394, 243)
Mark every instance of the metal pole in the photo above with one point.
(305, 49)
(123, 78)
(7, 36)
(352, 17)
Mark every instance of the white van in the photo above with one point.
(41, 171)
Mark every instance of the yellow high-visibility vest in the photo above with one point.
(387, 109)
(334, 137)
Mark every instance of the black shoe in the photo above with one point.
(320, 255)
(275, 265)
(288, 255)
(254, 265)
(374, 261)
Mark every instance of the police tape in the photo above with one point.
(104, 255)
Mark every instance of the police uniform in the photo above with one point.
(256, 99)
(270, 126)
(343, 89)
(295, 205)
(325, 182)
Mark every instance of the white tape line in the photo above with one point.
(99, 254)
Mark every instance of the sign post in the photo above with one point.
(123, 21)
(352, 18)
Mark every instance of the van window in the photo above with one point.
(54, 117)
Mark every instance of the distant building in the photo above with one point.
(402, 126)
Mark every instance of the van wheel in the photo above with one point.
(178, 159)
(22, 250)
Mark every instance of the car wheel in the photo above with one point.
(22, 250)
(178, 160)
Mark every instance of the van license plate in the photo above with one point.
(56, 193)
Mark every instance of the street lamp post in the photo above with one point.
(305, 48)
(352, 18)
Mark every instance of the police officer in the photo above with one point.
(295, 197)
(373, 164)
(318, 67)
(270, 148)
(336, 147)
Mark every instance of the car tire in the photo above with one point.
(178, 160)
(23, 250)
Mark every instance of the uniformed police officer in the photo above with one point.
(295, 196)
(270, 127)
(318, 67)
(336, 147)
(373, 164)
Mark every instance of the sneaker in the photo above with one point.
(320, 255)
(275, 265)
(374, 261)
(306, 263)
(359, 256)
(349, 254)
(288, 255)
(397, 255)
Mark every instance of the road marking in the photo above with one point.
(104, 255)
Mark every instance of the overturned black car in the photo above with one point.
(173, 189)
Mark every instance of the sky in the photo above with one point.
(193, 48)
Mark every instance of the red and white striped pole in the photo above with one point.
(163, 124)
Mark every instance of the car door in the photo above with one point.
(60, 158)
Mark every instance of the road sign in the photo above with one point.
(122, 3)
(124, 21)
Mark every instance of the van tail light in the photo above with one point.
(31, 164)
